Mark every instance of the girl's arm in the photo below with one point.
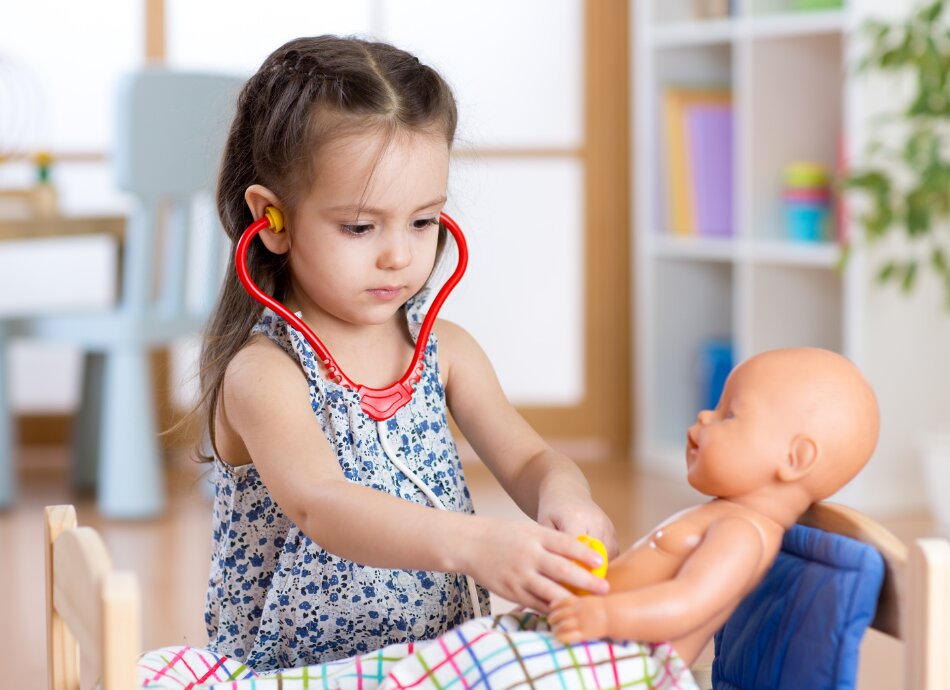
(545, 484)
(266, 408)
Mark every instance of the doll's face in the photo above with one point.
(738, 447)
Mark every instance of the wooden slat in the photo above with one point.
(33, 228)
(155, 31)
(607, 207)
(80, 563)
(121, 630)
(62, 658)
(58, 156)
(927, 639)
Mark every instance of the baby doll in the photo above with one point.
(791, 428)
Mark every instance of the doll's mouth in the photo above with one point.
(691, 448)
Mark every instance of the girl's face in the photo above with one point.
(364, 239)
(738, 447)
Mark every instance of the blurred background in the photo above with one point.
(652, 190)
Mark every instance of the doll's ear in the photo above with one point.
(802, 458)
(258, 198)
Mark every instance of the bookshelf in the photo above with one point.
(792, 100)
(794, 97)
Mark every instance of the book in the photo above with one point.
(709, 129)
(680, 149)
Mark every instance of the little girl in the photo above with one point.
(324, 549)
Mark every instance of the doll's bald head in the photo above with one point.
(792, 426)
(825, 412)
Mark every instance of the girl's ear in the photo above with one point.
(258, 198)
(802, 458)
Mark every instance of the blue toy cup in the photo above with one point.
(806, 221)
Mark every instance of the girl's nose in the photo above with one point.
(395, 252)
(704, 416)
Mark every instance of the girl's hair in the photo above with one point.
(307, 92)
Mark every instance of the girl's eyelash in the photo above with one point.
(363, 228)
(356, 229)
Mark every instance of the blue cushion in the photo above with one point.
(802, 626)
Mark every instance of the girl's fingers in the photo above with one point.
(569, 547)
(533, 602)
(548, 591)
(568, 573)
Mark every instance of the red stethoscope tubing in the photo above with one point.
(379, 403)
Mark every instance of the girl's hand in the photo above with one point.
(576, 516)
(527, 563)
(574, 619)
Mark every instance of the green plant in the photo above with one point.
(906, 178)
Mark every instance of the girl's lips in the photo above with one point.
(386, 293)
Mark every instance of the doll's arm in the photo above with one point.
(713, 578)
(545, 484)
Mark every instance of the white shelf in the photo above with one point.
(686, 247)
(681, 34)
(692, 33)
(794, 24)
(806, 254)
(776, 252)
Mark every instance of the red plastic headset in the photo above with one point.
(378, 403)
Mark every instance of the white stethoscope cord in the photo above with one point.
(433, 499)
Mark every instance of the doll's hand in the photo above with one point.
(527, 563)
(574, 619)
(579, 515)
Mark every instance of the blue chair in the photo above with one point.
(171, 127)
(838, 573)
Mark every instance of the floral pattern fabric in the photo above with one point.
(278, 600)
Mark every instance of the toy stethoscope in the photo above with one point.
(378, 403)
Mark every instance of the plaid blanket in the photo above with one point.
(509, 652)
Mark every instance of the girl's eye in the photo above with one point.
(356, 229)
(423, 223)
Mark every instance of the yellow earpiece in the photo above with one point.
(276, 219)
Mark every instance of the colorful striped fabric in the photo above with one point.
(509, 652)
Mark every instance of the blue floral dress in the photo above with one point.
(275, 598)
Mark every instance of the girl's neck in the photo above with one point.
(373, 355)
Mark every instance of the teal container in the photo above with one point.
(806, 221)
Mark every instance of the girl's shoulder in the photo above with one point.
(457, 347)
(258, 380)
(259, 366)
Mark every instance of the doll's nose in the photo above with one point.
(704, 416)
